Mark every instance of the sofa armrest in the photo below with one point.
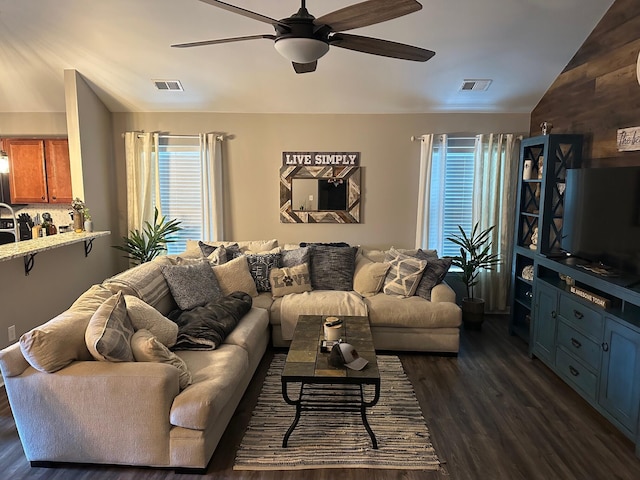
(443, 293)
(12, 361)
(95, 412)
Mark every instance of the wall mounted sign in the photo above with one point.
(629, 139)
(319, 159)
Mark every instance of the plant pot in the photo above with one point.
(88, 225)
(472, 313)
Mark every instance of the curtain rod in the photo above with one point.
(218, 137)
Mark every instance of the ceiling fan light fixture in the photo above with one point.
(301, 50)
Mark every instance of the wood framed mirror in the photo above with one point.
(326, 194)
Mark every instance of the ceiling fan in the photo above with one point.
(303, 39)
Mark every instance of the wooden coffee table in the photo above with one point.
(326, 388)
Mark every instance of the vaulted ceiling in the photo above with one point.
(120, 46)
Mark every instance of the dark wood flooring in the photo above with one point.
(493, 414)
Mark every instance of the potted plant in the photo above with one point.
(475, 254)
(144, 246)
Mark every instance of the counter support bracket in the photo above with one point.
(29, 261)
(88, 245)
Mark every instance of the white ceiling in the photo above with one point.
(119, 46)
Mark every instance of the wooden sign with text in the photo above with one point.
(629, 139)
(319, 159)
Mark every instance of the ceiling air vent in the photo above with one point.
(172, 85)
(475, 85)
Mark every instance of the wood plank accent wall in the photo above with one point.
(598, 91)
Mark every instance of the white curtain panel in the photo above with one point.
(211, 186)
(494, 191)
(143, 184)
(424, 180)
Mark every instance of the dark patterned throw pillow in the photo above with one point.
(331, 268)
(433, 274)
(260, 265)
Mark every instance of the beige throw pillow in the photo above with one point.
(235, 276)
(369, 276)
(144, 316)
(290, 280)
(147, 348)
(109, 332)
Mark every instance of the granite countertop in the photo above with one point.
(24, 248)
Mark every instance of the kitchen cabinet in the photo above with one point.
(39, 170)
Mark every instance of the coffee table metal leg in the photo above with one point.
(363, 413)
(297, 403)
(285, 440)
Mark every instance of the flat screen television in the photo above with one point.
(602, 217)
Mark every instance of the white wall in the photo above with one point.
(389, 159)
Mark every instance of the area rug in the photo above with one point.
(339, 440)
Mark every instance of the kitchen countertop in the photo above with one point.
(9, 251)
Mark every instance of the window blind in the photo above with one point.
(180, 188)
(451, 193)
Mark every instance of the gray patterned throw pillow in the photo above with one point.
(331, 268)
(192, 285)
(297, 256)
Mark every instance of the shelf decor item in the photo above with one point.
(78, 208)
(475, 254)
(88, 223)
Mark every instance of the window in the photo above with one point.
(180, 187)
(451, 192)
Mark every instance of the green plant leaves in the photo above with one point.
(474, 255)
(144, 246)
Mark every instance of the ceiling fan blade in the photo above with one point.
(305, 67)
(366, 13)
(222, 40)
(245, 13)
(376, 46)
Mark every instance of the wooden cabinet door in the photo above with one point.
(619, 391)
(27, 173)
(544, 323)
(58, 170)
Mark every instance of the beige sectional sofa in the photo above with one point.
(70, 408)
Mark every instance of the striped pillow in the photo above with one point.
(144, 281)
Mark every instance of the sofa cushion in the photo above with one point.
(58, 342)
(146, 282)
(147, 348)
(288, 280)
(144, 316)
(192, 285)
(331, 268)
(369, 276)
(234, 276)
(433, 274)
(297, 256)
(215, 374)
(109, 332)
(250, 331)
(411, 312)
(404, 274)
